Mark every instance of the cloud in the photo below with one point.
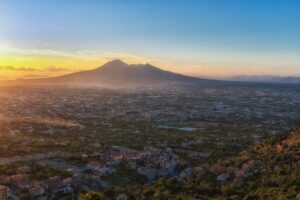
(33, 76)
(12, 68)
(56, 69)
(48, 52)
(32, 69)
(80, 54)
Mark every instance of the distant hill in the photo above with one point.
(267, 79)
(118, 73)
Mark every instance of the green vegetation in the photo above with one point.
(124, 177)
(42, 173)
(276, 176)
(36, 171)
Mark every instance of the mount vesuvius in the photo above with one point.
(117, 73)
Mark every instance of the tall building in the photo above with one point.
(3, 192)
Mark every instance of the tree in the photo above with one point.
(92, 196)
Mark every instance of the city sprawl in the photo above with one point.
(59, 141)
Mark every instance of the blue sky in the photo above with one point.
(261, 36)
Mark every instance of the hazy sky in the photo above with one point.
(195, 37)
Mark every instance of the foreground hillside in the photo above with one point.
(270, 170)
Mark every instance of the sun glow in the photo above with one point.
(18, 63)
(4, 47)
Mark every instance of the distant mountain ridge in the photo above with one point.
(266, 79)
(118, 73)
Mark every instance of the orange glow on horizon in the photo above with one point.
(35, 63)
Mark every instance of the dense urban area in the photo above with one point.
(169, 143)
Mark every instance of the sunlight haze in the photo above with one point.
(45, 39)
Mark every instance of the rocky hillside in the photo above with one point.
(270, 170)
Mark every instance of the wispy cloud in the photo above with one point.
(32, 69)
(12, 68)
(47, 52)
(56, 69)
(88, 54)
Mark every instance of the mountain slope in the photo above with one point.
(118, 73)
